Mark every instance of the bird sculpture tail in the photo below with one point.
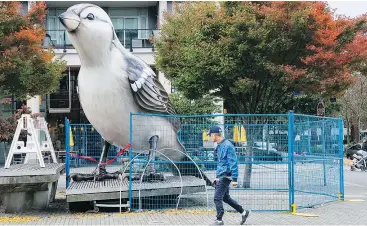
(188, 168)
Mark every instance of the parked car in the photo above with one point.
(353, 149)
(264, 152)
(261, 152)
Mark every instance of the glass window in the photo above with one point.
(132, 33)
(143, 34)
(55, 29)
(118, 23)
(169, 6)
(124, 12)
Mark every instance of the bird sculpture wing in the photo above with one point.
(148, 92)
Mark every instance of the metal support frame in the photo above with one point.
(32, 128)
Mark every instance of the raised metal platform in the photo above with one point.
(110, 189)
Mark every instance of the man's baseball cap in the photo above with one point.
(215, 129)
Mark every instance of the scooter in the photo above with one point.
(359, 161)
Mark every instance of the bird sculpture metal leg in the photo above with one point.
(151, 173)
(100, 173)
(153, 148)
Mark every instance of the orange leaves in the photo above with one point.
(25, 67)
(46, 57)
(37, 13)
(283, 11)
(12, 8)
(321, 15)
(25, 33)
(30, 35)
(293, 72)
(335, 45)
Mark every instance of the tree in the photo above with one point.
(257, 54)
(26, 69)
(8, 126)
(184, 106)
(307, 105)
(355, 106)
(193, 127)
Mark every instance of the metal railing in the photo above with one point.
(129, 38)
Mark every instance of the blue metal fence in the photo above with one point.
(286, 161)
(86, 144)
(318, 160)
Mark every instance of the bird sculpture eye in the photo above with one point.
(90, 16)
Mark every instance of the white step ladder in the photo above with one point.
(32, 128)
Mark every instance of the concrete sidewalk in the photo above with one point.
(337, 213)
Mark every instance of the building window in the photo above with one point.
(169, 6)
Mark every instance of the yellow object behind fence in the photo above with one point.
(236, 133)
(239, 135)
(243, 134)
(71, 139)
(205, 135)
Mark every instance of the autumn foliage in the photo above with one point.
(8, 126)
(336, 45)
(256, 55)
(26, 69)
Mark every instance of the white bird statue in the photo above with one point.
(113, 83)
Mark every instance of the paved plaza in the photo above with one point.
(353, 211)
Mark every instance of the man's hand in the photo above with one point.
(215, 182)
(234, 184)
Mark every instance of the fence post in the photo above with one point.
(323, 150)
(309, 136)
(292, 205)
(341, 153)
(130, 159)
(67, 148)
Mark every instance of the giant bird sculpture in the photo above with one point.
(112, 82)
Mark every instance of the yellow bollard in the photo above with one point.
(293, 208)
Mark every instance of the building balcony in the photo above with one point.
(131, 39)
(127, 4)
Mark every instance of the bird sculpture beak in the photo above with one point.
(70, 20)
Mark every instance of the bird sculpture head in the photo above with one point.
(90, 31)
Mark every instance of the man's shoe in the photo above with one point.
(217, 222)
(245, 215)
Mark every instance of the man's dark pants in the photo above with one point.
(222, 195)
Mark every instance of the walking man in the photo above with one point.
(227, 172)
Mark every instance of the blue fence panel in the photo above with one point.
(285, 160)
(86, 143)
(318, 160)
(262, 157)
